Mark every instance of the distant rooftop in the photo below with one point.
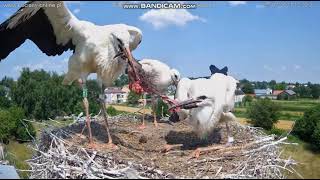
(277, 92)
(290, 92)
(113, 91)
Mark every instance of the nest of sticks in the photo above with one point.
(62, 153)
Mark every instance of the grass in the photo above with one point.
(289, 110)
(18, 154)
(309, 161)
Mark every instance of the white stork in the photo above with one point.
(210, 102)
(164, 77)
(54, 29)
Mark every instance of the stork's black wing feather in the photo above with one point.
(214, 70)
(37, 29)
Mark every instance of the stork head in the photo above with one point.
(135, 37)
(175, 76)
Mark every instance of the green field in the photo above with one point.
(289, 110)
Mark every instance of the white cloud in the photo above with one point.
(266, 67)
(237, 3)
(296, 67)
(76, 11)
(164, 17)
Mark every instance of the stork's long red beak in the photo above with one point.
(125, 53)
(133, 63)
(188, 104)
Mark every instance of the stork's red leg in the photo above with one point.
(143, 126)
(154, 108)
(86, 109)
(104, 113)
(88, 123)
(155, 119)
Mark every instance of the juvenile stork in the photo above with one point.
(209, 101)
(164, 77)
(54, 29)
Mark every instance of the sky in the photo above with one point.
(256, 40)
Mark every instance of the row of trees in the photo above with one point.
(308, 90)
(42, 95)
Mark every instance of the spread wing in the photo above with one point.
(49, 24)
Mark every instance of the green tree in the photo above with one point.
(12, 125)
(263, 113)
(316, 137)
(248, 88)
(23, 131)
(121, 81)
(7, 125)
(315, 91)
(303, 91)
(4, 101)
(43, 96)
(272, 84)
(247, 100)
(7, 82)
(280, 86)
(307, 128)
(133, 98)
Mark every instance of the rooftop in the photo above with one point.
(277, 92)
(290, 92)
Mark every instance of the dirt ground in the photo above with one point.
(145, 146)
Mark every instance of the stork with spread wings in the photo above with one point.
(54, 29)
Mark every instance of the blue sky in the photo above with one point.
(255, 41)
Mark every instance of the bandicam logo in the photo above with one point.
(162, 5)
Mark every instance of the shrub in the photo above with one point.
(263, 113)
(11, 125)
(111, 111)
(316, 137)
(133, 98)
(25, 131)
(307, 128)
(277, 131)
(7, 125)
(247, 100)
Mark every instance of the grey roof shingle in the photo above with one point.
(290, 92)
